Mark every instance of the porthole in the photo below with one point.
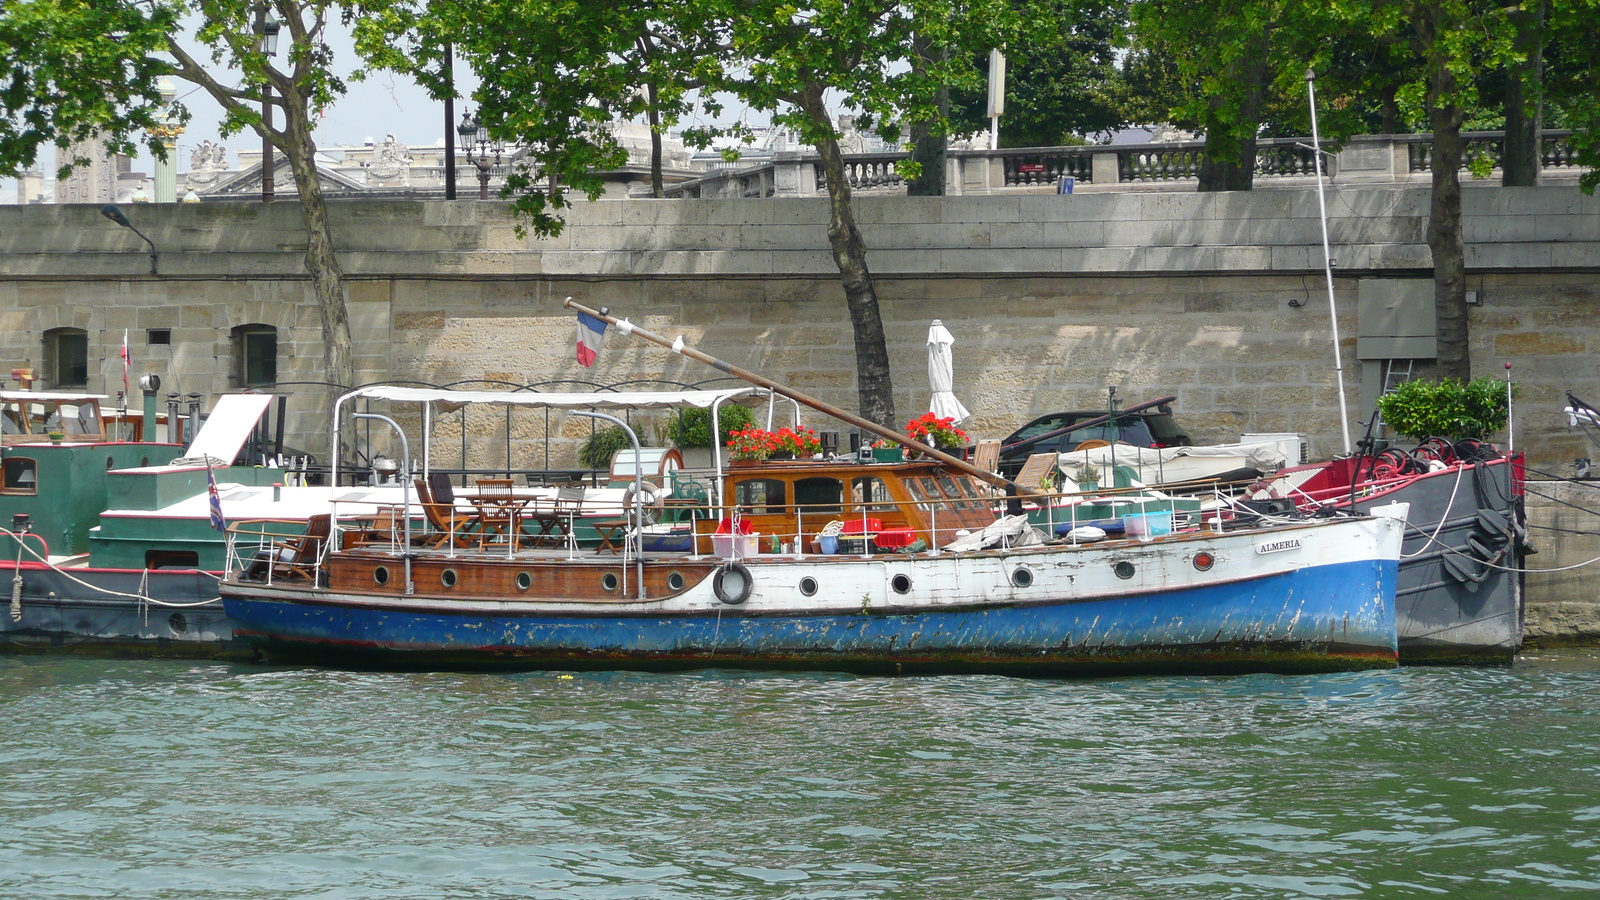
(178, 623)
(448, 578)
(381, 575)
(524, 581)
(901, 584)
(110, 464)
(144, 462)
(1203, 561)
(808, 586)
(1022, 577)
(1123, 569)
(675, 581)
(608, 581)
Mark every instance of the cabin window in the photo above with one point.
(171, 559)
(11, 419)
(819, 495)
(66, 357)
(761, 496)
(75, 418)
(954, 492)
(872, 494)
(21, 475)
(255, 355)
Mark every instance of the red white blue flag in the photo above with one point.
(591, 334)
(217, 521)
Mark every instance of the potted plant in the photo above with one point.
(884, 450)
(690, 431)
(56, 436)
(751, 445)
(1447, 408)
(599, 448)
(937, 432)
(800, 443)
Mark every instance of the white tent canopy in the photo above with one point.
(563, 400)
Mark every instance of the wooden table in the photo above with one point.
(610, 530)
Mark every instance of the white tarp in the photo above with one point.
(225, 430)
(558, 400)
(941, 374)
(1174, 464)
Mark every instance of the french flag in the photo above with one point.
(591, 334)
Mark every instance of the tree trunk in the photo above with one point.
(1445, 115)
(653, 116)
(929, 149)
(932, 151)
(1519, 162)
(327, 278)
(1229, 161)
(874, 387)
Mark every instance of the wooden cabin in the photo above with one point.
(901, 502)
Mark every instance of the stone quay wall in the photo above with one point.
(1218, 299)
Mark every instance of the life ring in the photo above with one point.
(650, 502)
(732, 584)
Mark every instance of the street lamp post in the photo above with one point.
(480, 150)
(115, 215)
(267, 27)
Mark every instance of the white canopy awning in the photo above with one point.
(562, 400)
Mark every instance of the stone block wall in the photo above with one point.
(1216, 298)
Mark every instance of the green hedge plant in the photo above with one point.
(691, 427)
(1446, 408)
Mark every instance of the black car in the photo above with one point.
(1151, 427)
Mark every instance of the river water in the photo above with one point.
(161, 779)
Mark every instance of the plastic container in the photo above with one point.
(1148, 525)
(736, 546)
(828, 543)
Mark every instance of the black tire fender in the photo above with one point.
(732, 584)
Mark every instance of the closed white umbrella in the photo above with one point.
(941, 374)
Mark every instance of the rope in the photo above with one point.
(142, 596)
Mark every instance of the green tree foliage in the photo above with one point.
(72, 70)
(1571, 80)
(1062, 82)
(75, 68)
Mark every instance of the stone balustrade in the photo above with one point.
(1366, 158)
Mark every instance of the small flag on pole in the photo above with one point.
(217, 521)
(124, 355)
(591, 334)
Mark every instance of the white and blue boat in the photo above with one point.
(927, 574)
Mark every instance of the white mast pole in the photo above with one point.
(1327, 262)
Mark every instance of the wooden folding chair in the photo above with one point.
(448, 524)
(298, 557)
(1031, 478)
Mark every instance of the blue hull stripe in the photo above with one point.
(1344, 610)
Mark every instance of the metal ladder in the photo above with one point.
(1393, 377)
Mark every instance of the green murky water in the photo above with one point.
(171, 779)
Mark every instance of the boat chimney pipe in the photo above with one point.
(173, 419)
(149, 385)
(194, 418)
